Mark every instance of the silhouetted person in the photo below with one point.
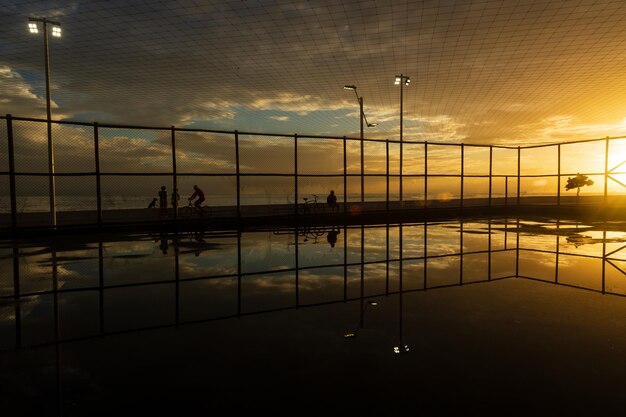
(164, 245)
(152, 203)
(197, 193)
(199, 236)
(175, 199)
(331, 237)
(331, 200)
(163, 201)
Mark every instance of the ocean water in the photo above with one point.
(27, 204)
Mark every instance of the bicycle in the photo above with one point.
(188, 210)
(311, 206)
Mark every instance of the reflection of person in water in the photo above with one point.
(163, 245)
(331, 237)
(199, 236)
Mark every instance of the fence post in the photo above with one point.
(425, 175)
(345, 176)
(519, 171)
(558, 180)
(506, 191)
(606, 171)
(96, 149)
(462, 173)
(387, 171)
(238, 172)
(490, 178)
(12, 188)
(174, 178)
(295, 167)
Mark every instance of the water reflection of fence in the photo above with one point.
(100, 162)
(485, 252)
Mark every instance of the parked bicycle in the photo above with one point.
(312, 232)
(311, 205)
(189, 210)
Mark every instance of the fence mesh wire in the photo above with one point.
(127, 167)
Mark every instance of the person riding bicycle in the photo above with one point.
(197, 193)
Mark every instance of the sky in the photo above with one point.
(484, 72)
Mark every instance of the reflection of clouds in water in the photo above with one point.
(275, 283)
(27, 306)
(539, 257)
(567, 261)
(599, 234)
(7, 313)
(442, 263)
(318, 278)
(534, 241)
(190, 269)
(441, 247)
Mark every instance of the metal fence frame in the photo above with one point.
(296, 138)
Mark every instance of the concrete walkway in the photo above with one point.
(351, 213)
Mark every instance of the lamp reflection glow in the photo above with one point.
(400, 349)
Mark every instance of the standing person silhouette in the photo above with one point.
(331, 200)
(175, 199)
(197, 193)
(163, 201)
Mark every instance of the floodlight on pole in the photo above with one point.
(33, 27)
(362, 118)
(401, 80)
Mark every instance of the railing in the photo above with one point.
(98, 164)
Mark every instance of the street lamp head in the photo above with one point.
(349, 87)
(399, 79)
(33, 26)
(372, 124)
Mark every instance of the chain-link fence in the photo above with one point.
(108, 173)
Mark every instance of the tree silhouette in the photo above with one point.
(580, 180)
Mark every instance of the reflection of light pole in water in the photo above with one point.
(362, 317)
(33, 27)
(362, 118)
(401, 347)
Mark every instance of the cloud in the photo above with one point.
(300, 104)
(17, 96)
(280, 118)
(161, 64)
(560, 128)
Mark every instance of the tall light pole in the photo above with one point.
(401, 80)
(33, 27)
(362, 118)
